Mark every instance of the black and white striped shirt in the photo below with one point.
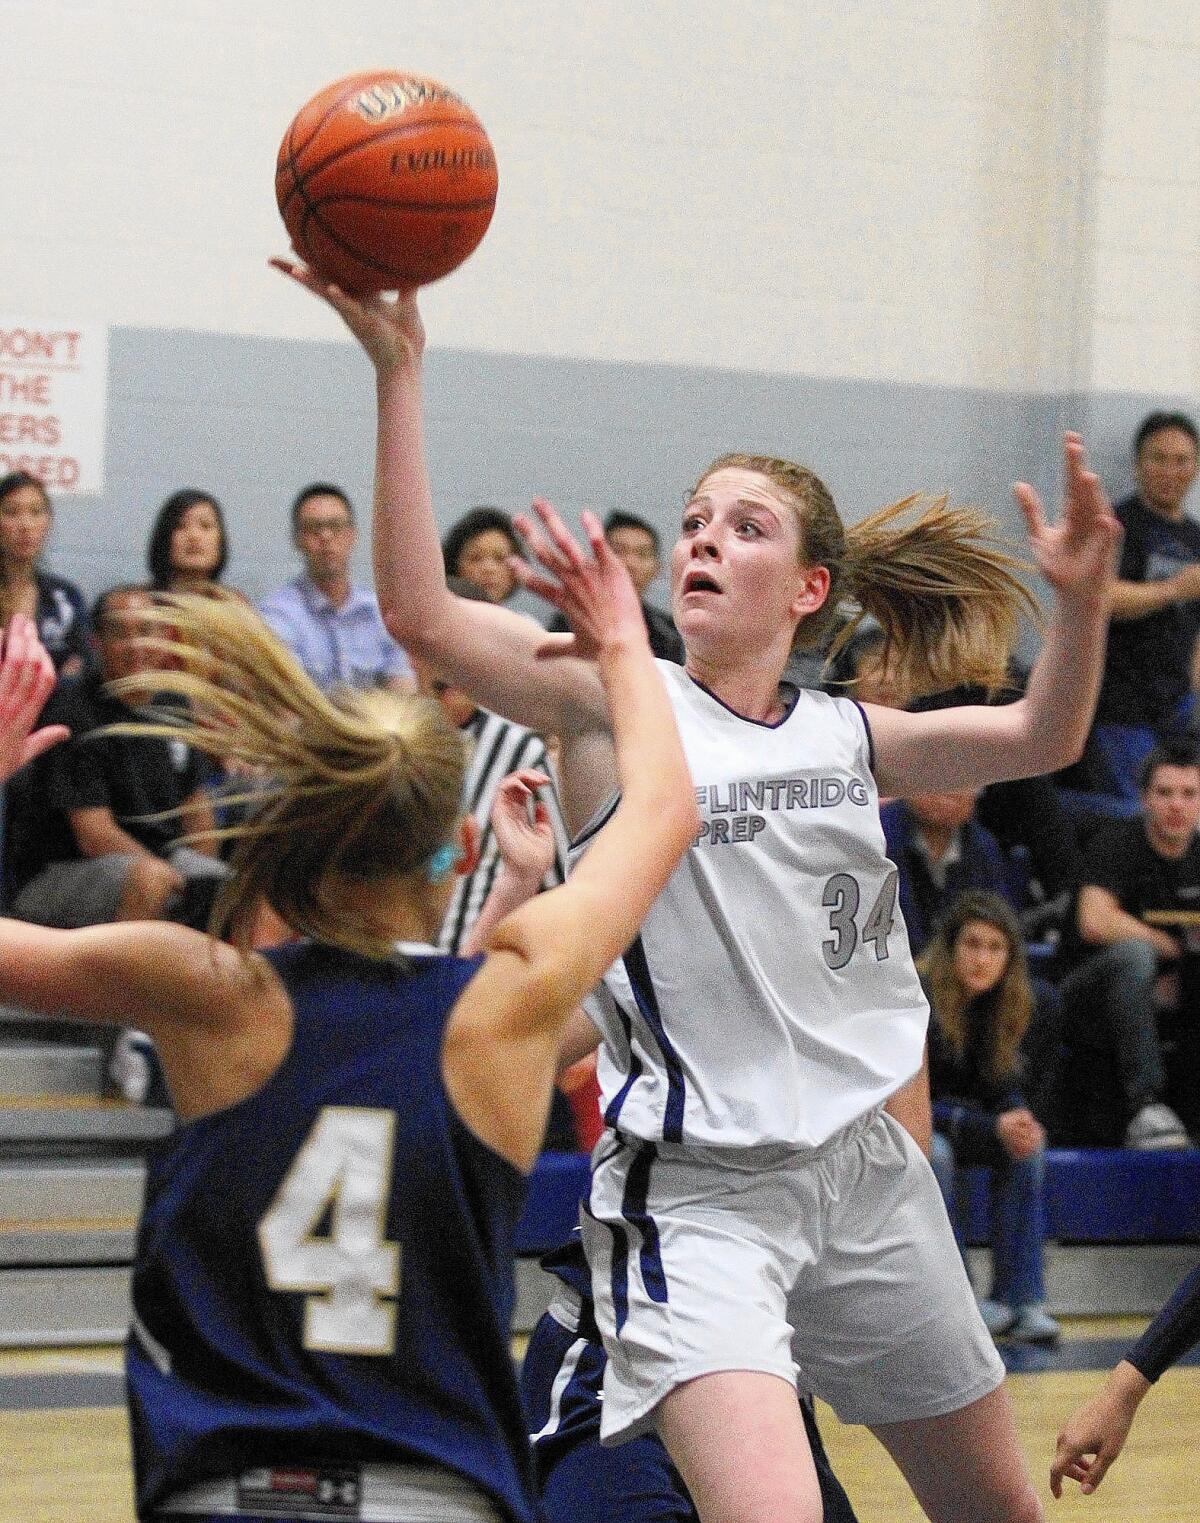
(497, 747)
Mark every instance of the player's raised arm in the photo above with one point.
(503, 1038)
(1046, 730)
(490, 652)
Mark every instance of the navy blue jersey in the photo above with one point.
(324, 1270)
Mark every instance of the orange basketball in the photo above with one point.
(384, 180)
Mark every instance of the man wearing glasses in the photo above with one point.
(332, 627)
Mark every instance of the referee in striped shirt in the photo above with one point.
(495, 747)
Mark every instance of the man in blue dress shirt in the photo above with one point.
(333, 628)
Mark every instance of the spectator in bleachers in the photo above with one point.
(982, 1006)
(55, 605)
(861, 670)
(636, 545)
(1132, 998)
(188, 547)
(941, 850)
(1027, 818)
(332, 627)
(1152, 640)
(477, 548)
(91, 848)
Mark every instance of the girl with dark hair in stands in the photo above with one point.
(751, 1207)
(55, 605)
(188, 547)
(982, 1006)
(323, 1280)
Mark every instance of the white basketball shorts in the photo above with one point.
(834, 1268)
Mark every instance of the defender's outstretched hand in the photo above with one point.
(526, 844)
(1076, 555)
(593, 592)
(27, 679)
(390, 330)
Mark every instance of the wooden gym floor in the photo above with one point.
(64, 1450)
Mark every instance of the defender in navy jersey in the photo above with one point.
(814, 1217)
(324, 1271)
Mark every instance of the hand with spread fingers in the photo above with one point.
(27, 679)
(1077, 555)
(388, 328)
(594, 592)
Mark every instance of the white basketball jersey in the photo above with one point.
(771, 995)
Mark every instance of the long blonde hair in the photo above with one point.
(939, 580)
(356, 785)
(1012, 997)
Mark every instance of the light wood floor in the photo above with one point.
(73, 1466)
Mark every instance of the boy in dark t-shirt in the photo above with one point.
(1131, 1001)
(1156, 608)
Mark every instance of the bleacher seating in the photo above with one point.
(1094, 1195)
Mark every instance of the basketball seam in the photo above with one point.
(388, 134)
(347, 248)
(404, 206)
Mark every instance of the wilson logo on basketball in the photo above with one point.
(457, 160)
(390, 96)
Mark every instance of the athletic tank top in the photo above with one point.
(770, 997)
(324, 1270)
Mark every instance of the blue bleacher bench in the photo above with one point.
(1093, 1195)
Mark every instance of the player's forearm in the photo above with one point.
(509, 892)
(409, 579)
(1060, 700)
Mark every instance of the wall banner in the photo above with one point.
(53, 399)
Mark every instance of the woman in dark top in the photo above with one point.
(982, 1006)
(55, 605)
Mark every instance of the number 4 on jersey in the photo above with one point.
(349, 1275)
(842, 898)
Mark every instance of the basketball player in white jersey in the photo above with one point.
(749, 1188)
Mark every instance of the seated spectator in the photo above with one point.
(188, 547)
(1156, 600)
(1131, 1000)
(1026, 815)
(636, 545)
(89, 844)
(982, 1005)
(477, 548)
(332, 627)
(55, 605)
(861, 670)
(940, 850)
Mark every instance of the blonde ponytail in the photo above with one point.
(357, 785)
(943, 588)
(940, 581)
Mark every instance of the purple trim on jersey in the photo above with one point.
(642, 984)
(613, 1109)
(763, 724)
(633, 1209)
(870, 737)
(597, 822)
